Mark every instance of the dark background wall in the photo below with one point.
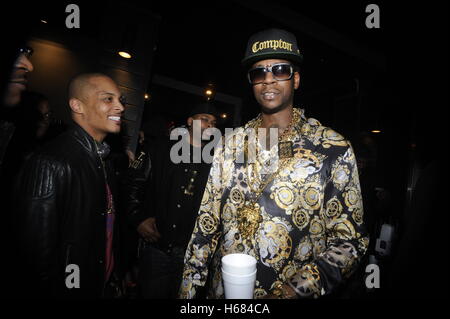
(61, 53)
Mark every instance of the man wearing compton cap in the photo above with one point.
(302, 217)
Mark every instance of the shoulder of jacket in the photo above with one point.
(322, 135)
(48, 160)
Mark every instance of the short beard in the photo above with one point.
(277, 109)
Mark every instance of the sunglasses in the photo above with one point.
(27, 51)
(280, 72)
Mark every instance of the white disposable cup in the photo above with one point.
(239, 264)
(238, 286)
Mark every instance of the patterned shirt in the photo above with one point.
(310, 233)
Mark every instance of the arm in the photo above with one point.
(347, 240)
(38, 216)
(134, 186)
(138, 187)
(139, 195)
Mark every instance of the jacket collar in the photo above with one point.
(86, 140)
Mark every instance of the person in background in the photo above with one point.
(13, 85)
(17, 83)
(165, 212)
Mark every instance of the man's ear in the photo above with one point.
(76, 106)
(189, 121)
(296, 80)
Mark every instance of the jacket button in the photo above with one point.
(100, 261)
(178, 205)
(174, 226)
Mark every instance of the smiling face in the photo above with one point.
(18, 80)
(275, 95)
(98, 109)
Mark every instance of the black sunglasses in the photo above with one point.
(27, 51)
(280, 72)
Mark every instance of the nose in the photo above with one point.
(24, 62)
(268, 78)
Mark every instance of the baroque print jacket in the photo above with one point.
(307, 228)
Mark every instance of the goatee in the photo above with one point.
(274, 110)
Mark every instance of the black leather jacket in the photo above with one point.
(61, 216)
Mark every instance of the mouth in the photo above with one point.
(270, 95)
(21, 82)
(115, 119)
(19, 77)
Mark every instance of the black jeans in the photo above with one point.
(160, 273)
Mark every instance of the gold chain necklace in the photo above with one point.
(288, 132)
(249, 216)
(285, 145)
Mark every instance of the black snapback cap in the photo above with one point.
(204, 108)
(272, 44)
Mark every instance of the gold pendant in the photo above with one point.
(285, 150)
(249, 219)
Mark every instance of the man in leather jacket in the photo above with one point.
(66, 210)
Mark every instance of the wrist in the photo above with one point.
(284, 291)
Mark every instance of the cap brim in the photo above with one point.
(246, 62)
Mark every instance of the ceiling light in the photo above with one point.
(125, 54)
